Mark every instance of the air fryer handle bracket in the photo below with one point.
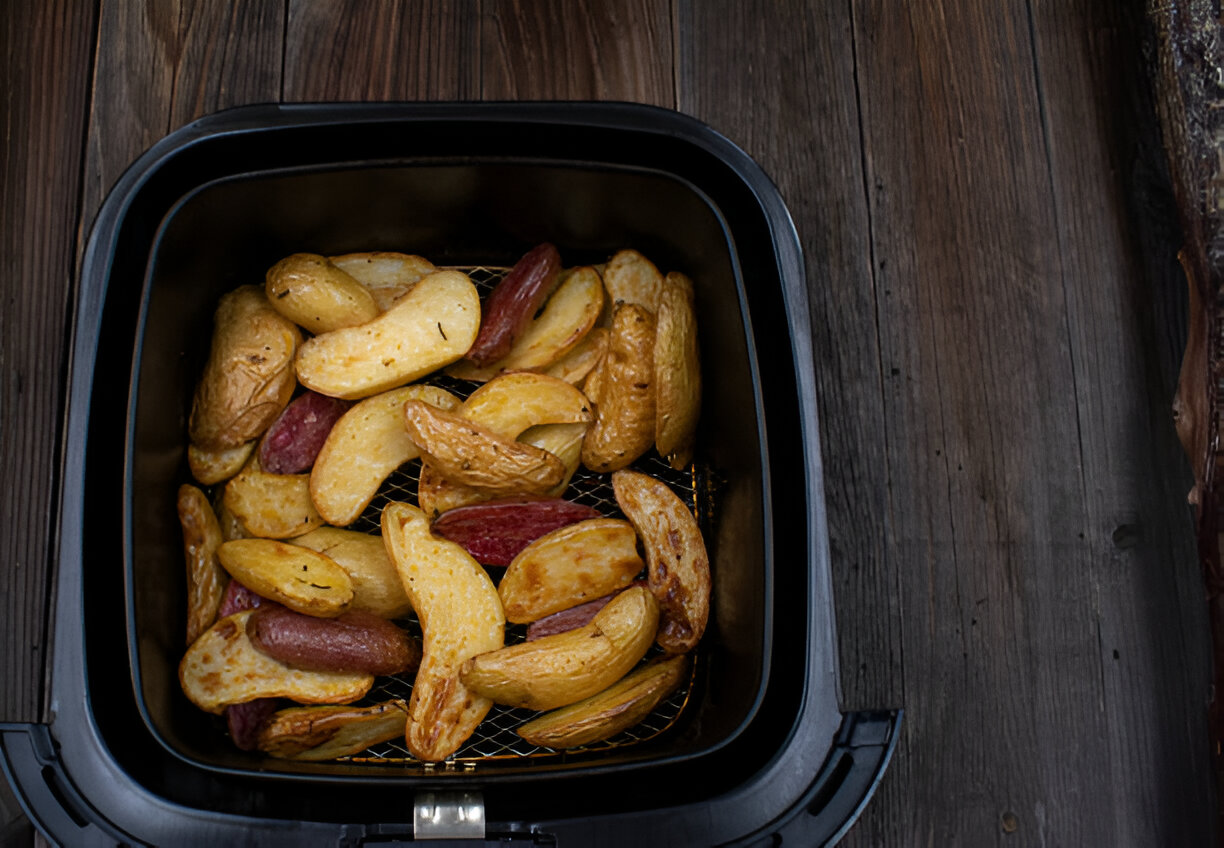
(845, 783)
(31, 763)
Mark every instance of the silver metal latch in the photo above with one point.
(448, 815)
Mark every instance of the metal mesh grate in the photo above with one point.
(494, 738)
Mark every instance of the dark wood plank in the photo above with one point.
(377, 50)
(168, 63)
(585, 50)
(45, 83)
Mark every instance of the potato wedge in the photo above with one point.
(460, 616)
(328, 732)
(557, 670)
(607, 713)
(249, 376)
(210, 467)
(679, 568)
(513, 302)
(363, 448)
(677, 372)
(568, 316)
(564, 441)
(624, 427)
(222, 667)
(511, 403)
(301, 579)
(630, 277)
(376, 584)
(432, 326)
(271, 506)
(577, 363)
(313, 293)
(388, 276)
(475, 456)
(569, 566)
(206, 579)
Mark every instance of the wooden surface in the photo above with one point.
(997, 317)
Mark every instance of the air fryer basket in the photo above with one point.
(753, 744)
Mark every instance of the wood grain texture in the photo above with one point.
(380, 50)
(45, 71)
(585, 50)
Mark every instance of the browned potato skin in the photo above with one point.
(328, 732)
(297, 577)
(249, 376)
(554, 671)
(624, 427)
(352, 641)
(222, 668)
(475, 456)
(606, 714)
(206, 579)
(677, 368)
(568, 566)
(676, 558)
(310, 291)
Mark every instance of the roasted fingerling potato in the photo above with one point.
(312, 292)
(297, 577)
(328, 732)
(677, 372)
(624, 426)
(206, 579)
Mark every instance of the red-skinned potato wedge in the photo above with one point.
(569, 566)
(388, 276)
(630, 277)
(676, 558)
(210, 467)
(363, 448)
(677, 371)
(557, 670)
(460, 616)
(430, 327)
(297, 577)
(352, 641)
(513, 302)
(249, 375)
(496, 531)
(293, 441)
(328, 732)
(624, 427)
(206, 579)
(222, 668)
(567, 317)
(271, 506)
(475, 456)
(313, 293)
(607, 713)
(376, 584)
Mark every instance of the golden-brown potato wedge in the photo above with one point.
(303, 580)
(271, 506)
(328, 732)
(388, 276)
(607, 713)
(312, 292)
(430, 327)
(475, 456)
(460, 616)
(570, 565)
(222, 668)
(578, 362)
(592, 385)
(363, 448)
(376, 583)
(624, 427)
(677, 370)
(511, 403)
(210, 467)
(566, 667)
(567, 317)
(679, 568)
(630, 277)
(249, 375)
(564, 441)
(206, 579)
(231, 527)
